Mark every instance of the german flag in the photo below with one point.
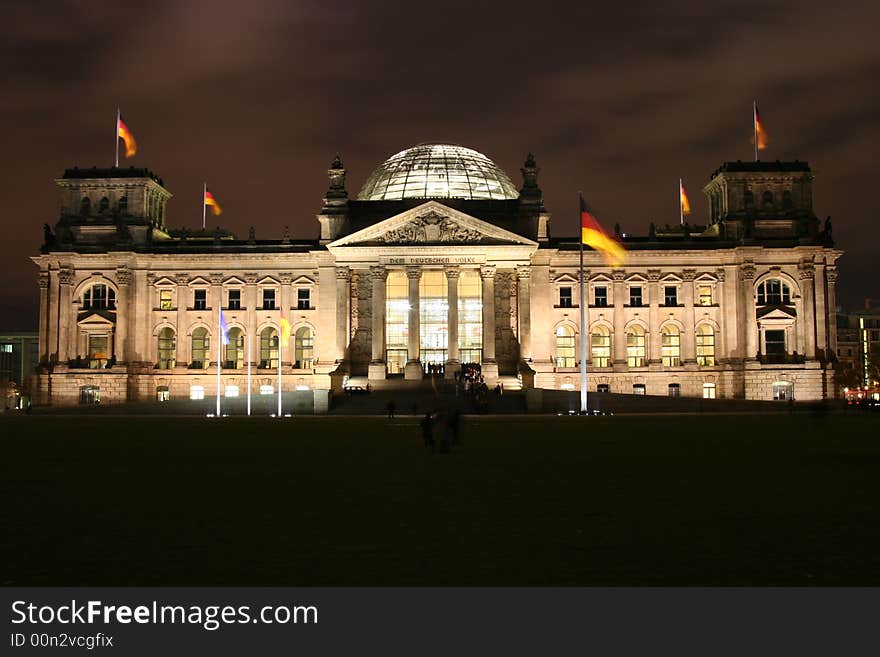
(593, 236)
(212, 202)
(760, 133)
(285, 330)
(125, 135)
(685, 203)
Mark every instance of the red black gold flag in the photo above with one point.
(212, 202)
(127, 137)
(592, 235)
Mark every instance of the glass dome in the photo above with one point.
(438, 171)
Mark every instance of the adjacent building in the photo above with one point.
(439, 261)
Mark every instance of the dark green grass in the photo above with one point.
(694, 500)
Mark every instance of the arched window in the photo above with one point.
(705, 345)
(235, 349)
(635, 346)
(303, 348)
(201, 349)
(670, 346)
(85, 206)
(269, 348)
(774, 292)
(99, 297)
(167, 348)
(104, 204)
(123, 205)
(600, 345)
(767, 198)
(565, 346)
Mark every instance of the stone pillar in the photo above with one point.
(250, 293)
(809, 314)
(750, 322)
(489, 366)
(654, 352)
(721, 345)
(821, 312)
(66, 331)
(120, 340)
(688, 339)
(343, 279)
(831, 277)
(524, 309)
(452, 362)
(215, 303)
(44, 349)
(618, 292)
(184, 341)
(413, 368)
(377, 369)
(54, 319)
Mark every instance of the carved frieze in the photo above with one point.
(429, 228)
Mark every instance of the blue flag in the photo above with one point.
(224, 330)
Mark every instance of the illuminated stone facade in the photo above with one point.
(741, 307)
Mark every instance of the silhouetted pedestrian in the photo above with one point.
(390, 407)
(427, 425)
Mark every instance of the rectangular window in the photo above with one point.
(565, 297)
(638, 388)
(165, 301)
(234, 299)
(163, 394)
(197, 392)
(705, 292)
(674, 390)
(775, 343)
(267, 390)
(200, 300)
(708, 391)
(303, 299)
(6, 348)
(670, 296)
(268, 299)
(230, 391)
(600, 297)
(635, 296)
(99, 346)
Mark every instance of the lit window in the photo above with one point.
(470, 317)
(230, 391)
(99, 346)
(165, 301)
(708, 391)
(6, 348)
(603, 388)
(705, 292)
(600, 344)
(163, 394)
(303, 348)
(675, 390)
(638, 388)
(783, 391)
(565, 297)
(303, 299)
(269, 348)
(167, 348)
(433, 315)
(267, 390)
(200, 299)
(565, 346)
(234, 349)
(670, 346)
(635, 346)
(197, 392)
(705, 345)
(268, 299)
(201, 348)
(670, 295)
(600, 297)
(635, 296)
(396, 321)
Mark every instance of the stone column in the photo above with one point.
(618, 292)
(413, 368)
(377, 369)
(654, 352)
(809, 314)
(44, 350)
(688, 339)
(66, 331)
(343, 279)
(215, 303)
(821, 312)
(54, 319)
(524, 308)
(489, 365)
(721, 344)
(184, 342)
(750, 321)
(831, 277)
(452, 362)
(250, 279)
(120, 340)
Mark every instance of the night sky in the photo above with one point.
(617, 100)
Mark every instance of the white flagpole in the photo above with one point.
(116, 135)
(680, 202)
(249, 374)
(204, 204)
(219, 348)
(583, 318)
(279, 369)
(755, 125)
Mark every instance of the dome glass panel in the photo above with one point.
(438, 171)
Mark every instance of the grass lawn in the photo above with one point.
(696, 500)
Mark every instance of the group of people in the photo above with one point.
(441, 430)
(435, 369)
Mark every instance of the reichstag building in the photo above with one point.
(438, 262)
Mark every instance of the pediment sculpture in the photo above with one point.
(431, 227)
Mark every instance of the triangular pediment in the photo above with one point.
(769, 313)
(94, 319)
(432, 223)
(566, 278)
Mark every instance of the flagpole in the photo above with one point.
(583, 318)
(219, 348)
(204, 205)
(279, 368)
(250, 337)
(680, 202)
(755, 125)
(116, 135)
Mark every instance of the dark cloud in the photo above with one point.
(618, 100)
